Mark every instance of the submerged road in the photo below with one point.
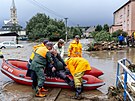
(103, 60)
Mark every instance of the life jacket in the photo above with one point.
(39, 58)
(42, 51)
(34, 49)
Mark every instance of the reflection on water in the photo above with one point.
(107, 62)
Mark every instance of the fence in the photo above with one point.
(122, 63)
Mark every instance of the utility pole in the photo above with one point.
(66, 28)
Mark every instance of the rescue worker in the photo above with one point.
(1, 55)
(75, 48)
(42, 55)
(34, 49)
(77, 66)
(60, 69)
(59, 46)
(30, 72)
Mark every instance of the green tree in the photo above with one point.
(119, 32)
(103, 36)
(98, 28)
(106, 27)
(16, 28)
(40, 26)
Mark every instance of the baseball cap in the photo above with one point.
(45, 41)
(50, 44)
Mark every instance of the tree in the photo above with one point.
(40, 26)
(119, 32)
(16, 28)
(98, 28)
(106, 27)
(103, 36)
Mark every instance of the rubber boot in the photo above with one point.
(44, 90)
(39, 93)
(70, 82)
(78, 93)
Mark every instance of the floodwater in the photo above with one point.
(103, 60)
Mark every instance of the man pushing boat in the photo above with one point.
(77, 67)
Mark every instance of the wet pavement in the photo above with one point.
(103, 60)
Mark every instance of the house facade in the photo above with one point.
(124, 18)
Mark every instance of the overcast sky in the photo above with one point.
(82, 12)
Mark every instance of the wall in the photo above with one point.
(8, 38)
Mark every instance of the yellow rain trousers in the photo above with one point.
(78, 79)
(74, 49)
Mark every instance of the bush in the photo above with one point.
(103, 36)
(119, 32)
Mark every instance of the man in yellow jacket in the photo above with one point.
(75, 48)
(77, 66)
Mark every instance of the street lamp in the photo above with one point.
(66, 28)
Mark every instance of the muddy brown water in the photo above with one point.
(103, 60)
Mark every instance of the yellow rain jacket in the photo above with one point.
(34, 49)
(77, 64)
(74, 49)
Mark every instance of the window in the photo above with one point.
(128, 11)
(6, 43)
(12, 43)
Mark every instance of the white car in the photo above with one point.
(10, 44)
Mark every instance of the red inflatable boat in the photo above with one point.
(16, 70)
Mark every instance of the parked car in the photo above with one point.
(10, 44)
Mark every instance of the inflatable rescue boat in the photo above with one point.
(16, 70)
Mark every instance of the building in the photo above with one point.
(87, 32)
(10, 36)
(124, 18)
(12, 24)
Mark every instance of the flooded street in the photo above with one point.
(106, 61)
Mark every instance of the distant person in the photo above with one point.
(77, 66)
(1, 55)
(75, 48)
(121, 39)
(128, 40)
(59, 46)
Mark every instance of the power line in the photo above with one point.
(36, 3)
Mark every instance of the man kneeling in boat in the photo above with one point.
(42, 55)
(58, 68)
(77, 67)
